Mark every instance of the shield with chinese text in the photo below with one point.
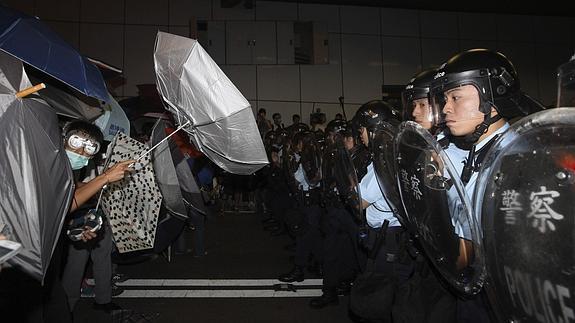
(436, 205)
(525, 195)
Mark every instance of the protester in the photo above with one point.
(82, 142)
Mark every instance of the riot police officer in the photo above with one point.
(528, 222)
(477, 91)
(389, 259)
(339, 230)
(304, 175)
(415, 101)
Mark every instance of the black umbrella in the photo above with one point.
(65, 101)
(37, 184)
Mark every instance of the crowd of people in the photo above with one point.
(322, 189)
(87, 238)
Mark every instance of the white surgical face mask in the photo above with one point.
(76, 160)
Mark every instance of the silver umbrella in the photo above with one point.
(36, 177)
(220, 120)
(174, 176)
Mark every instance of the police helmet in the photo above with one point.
(374, 114)
(337, 126)
(297, 128)
(417, 88)
(494, 77)
(416, 104)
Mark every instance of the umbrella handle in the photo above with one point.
(30, 90)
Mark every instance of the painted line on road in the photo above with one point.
(214, 282)
(133, 293)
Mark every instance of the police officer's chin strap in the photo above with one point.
(470, 165)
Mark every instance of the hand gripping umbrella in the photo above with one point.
(36, 177)
(218, 118)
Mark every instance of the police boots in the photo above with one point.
(296, 275)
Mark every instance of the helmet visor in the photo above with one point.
(459, 107)
(418, 108)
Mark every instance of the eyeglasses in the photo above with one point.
(90, 147)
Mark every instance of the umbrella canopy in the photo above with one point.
(174, 176)
(33, 42)
(222, 124)
(37, 184)
(113, 120)
(65, 101)
(132, 204)
(166, 172)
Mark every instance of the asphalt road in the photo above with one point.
(234, 282)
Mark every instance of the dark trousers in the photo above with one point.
(308, 241)
(391, 258)
(100, 251)
(473, 310)
(278, 203)
(339, 248)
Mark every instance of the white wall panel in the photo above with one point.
(437, 24)
(360, 20)
(401, 59)
(278, 82)
(481, 26)
(399, 22)
(108, 11)
(362, 70)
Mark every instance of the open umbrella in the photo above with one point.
(36, 177)
(220, 120)
(113, 120)
(175, 178)
(65, 101)
(30, 40)
(133, 203)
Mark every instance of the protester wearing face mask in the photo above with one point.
(82, 142)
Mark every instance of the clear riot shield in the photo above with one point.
(566, 85)
(525, 195)
(339, 178)
(382, 146)
(289, 164)
(311, 158)
(435, 203)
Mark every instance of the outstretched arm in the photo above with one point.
(84, 192)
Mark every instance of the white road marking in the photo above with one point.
(161, 288)
(136, 293)
(213, 282)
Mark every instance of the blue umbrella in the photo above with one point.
(30, 40)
